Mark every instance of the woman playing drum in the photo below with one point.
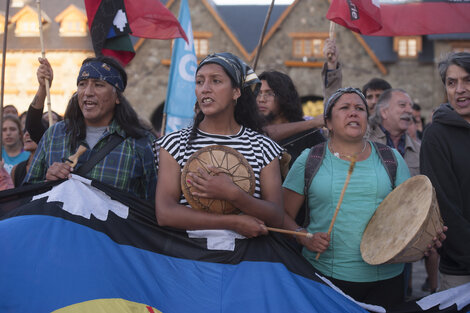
(346, 115)
(228, 116)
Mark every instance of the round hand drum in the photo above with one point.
(228, 161)
(403, 225)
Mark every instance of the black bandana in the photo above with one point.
(238, 70)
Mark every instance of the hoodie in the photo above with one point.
(445, 159)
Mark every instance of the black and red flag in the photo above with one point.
(111, 23)
(401, 18)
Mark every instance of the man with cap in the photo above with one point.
(99, 118)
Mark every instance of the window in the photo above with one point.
(201, 43)
(407, 47)
(27, 28)
(73, 22)
(461, 46)
(308, 45)
(201, 47)
(17, 3)
(26, 21)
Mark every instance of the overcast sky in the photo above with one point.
(222, 2)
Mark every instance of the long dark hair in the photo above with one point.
(246, 111)
(287, 96)
(124, 114)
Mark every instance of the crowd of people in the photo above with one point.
(261, 117)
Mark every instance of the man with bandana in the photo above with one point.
(97, 114)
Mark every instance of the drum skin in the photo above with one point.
(227, 160)
(403, 225)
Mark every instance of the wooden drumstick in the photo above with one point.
(73, 159)
(289, 232)
(351, 168)
(43, 52)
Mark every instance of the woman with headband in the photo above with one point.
(346, 114)
(227, 115)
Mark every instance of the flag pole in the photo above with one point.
(260, 43)
(43, 52)
(331, 35)
(4, 56)
(162, 132)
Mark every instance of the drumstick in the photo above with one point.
(289, 232)
(351, 168)
(73, 159)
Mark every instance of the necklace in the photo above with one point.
(338, 154)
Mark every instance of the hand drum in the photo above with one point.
(228, 161)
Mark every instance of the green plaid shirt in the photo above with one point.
(130, 166)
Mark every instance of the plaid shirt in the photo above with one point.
(130, 166)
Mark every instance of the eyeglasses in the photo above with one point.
(266, 95)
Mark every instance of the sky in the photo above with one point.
(232, 2)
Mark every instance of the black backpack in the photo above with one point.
(314, 160)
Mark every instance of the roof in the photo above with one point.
(454, 36)
(248, 32)
(52, 41)
(383, 49)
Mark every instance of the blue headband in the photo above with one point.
(101, 71)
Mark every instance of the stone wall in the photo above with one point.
(148, 78)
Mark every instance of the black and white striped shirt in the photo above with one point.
(257, 149)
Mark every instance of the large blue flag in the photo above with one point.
(180, 97)
(81, 246)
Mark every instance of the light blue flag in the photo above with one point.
(180, 97)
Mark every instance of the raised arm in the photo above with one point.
(332, 77)
(34, 117)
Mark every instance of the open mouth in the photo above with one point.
(463, 101)
(207, 100)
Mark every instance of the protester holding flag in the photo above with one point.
(99, 117)
(228, 116)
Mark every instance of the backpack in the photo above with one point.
(315, 158)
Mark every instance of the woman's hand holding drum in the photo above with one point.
(213, 185)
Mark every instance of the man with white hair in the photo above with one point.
(390, 123)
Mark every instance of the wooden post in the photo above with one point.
(4, 54)
(43, 52)
(260, 43)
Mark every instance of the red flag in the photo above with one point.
(361, 16)
(112, 21)
(151, 19)
(404, 18)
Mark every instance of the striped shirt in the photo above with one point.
(257, 149)
(130, 166)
